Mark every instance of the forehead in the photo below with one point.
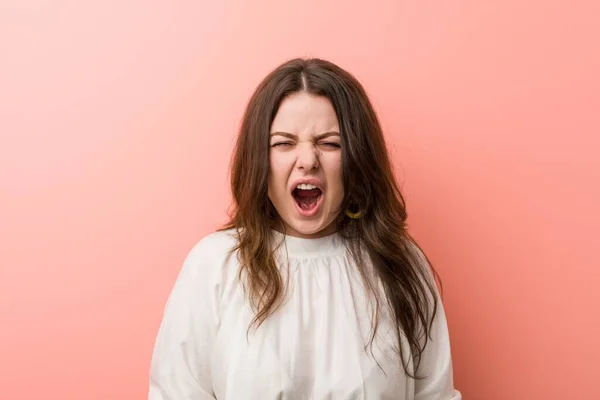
(305, 114)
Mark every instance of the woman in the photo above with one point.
(314, 289)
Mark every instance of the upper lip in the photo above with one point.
(310, 181)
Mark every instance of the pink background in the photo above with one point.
(117, 120)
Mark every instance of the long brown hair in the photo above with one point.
(379, 236)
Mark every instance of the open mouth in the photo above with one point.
(307, 197)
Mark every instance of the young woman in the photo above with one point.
(314, 289)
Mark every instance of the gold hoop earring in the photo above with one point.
(353, 215)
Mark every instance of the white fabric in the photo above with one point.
(312, 348)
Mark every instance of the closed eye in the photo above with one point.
(331, 145)
(282, 144)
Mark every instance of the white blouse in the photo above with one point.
(313, 347)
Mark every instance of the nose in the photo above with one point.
(308, 157)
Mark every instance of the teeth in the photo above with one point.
(306, 186)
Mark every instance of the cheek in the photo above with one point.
(334, 178)
(277, 174)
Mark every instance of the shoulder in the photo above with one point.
(211, 255)
(214, 245)
(206, 271)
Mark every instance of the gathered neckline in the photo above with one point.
(298, 247)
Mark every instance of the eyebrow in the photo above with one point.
(318, 137)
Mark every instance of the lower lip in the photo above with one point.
(313, 211)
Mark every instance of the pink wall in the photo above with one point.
(116, 125)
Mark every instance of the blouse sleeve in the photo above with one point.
(436, 359)
(180, 366)
(436, 364)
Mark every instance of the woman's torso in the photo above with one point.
(316, 346)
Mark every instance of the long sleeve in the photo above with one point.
(436, 363)
(180, 367)
(436, 359)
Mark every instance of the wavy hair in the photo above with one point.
(378, 241)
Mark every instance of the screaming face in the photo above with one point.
(305, 165)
